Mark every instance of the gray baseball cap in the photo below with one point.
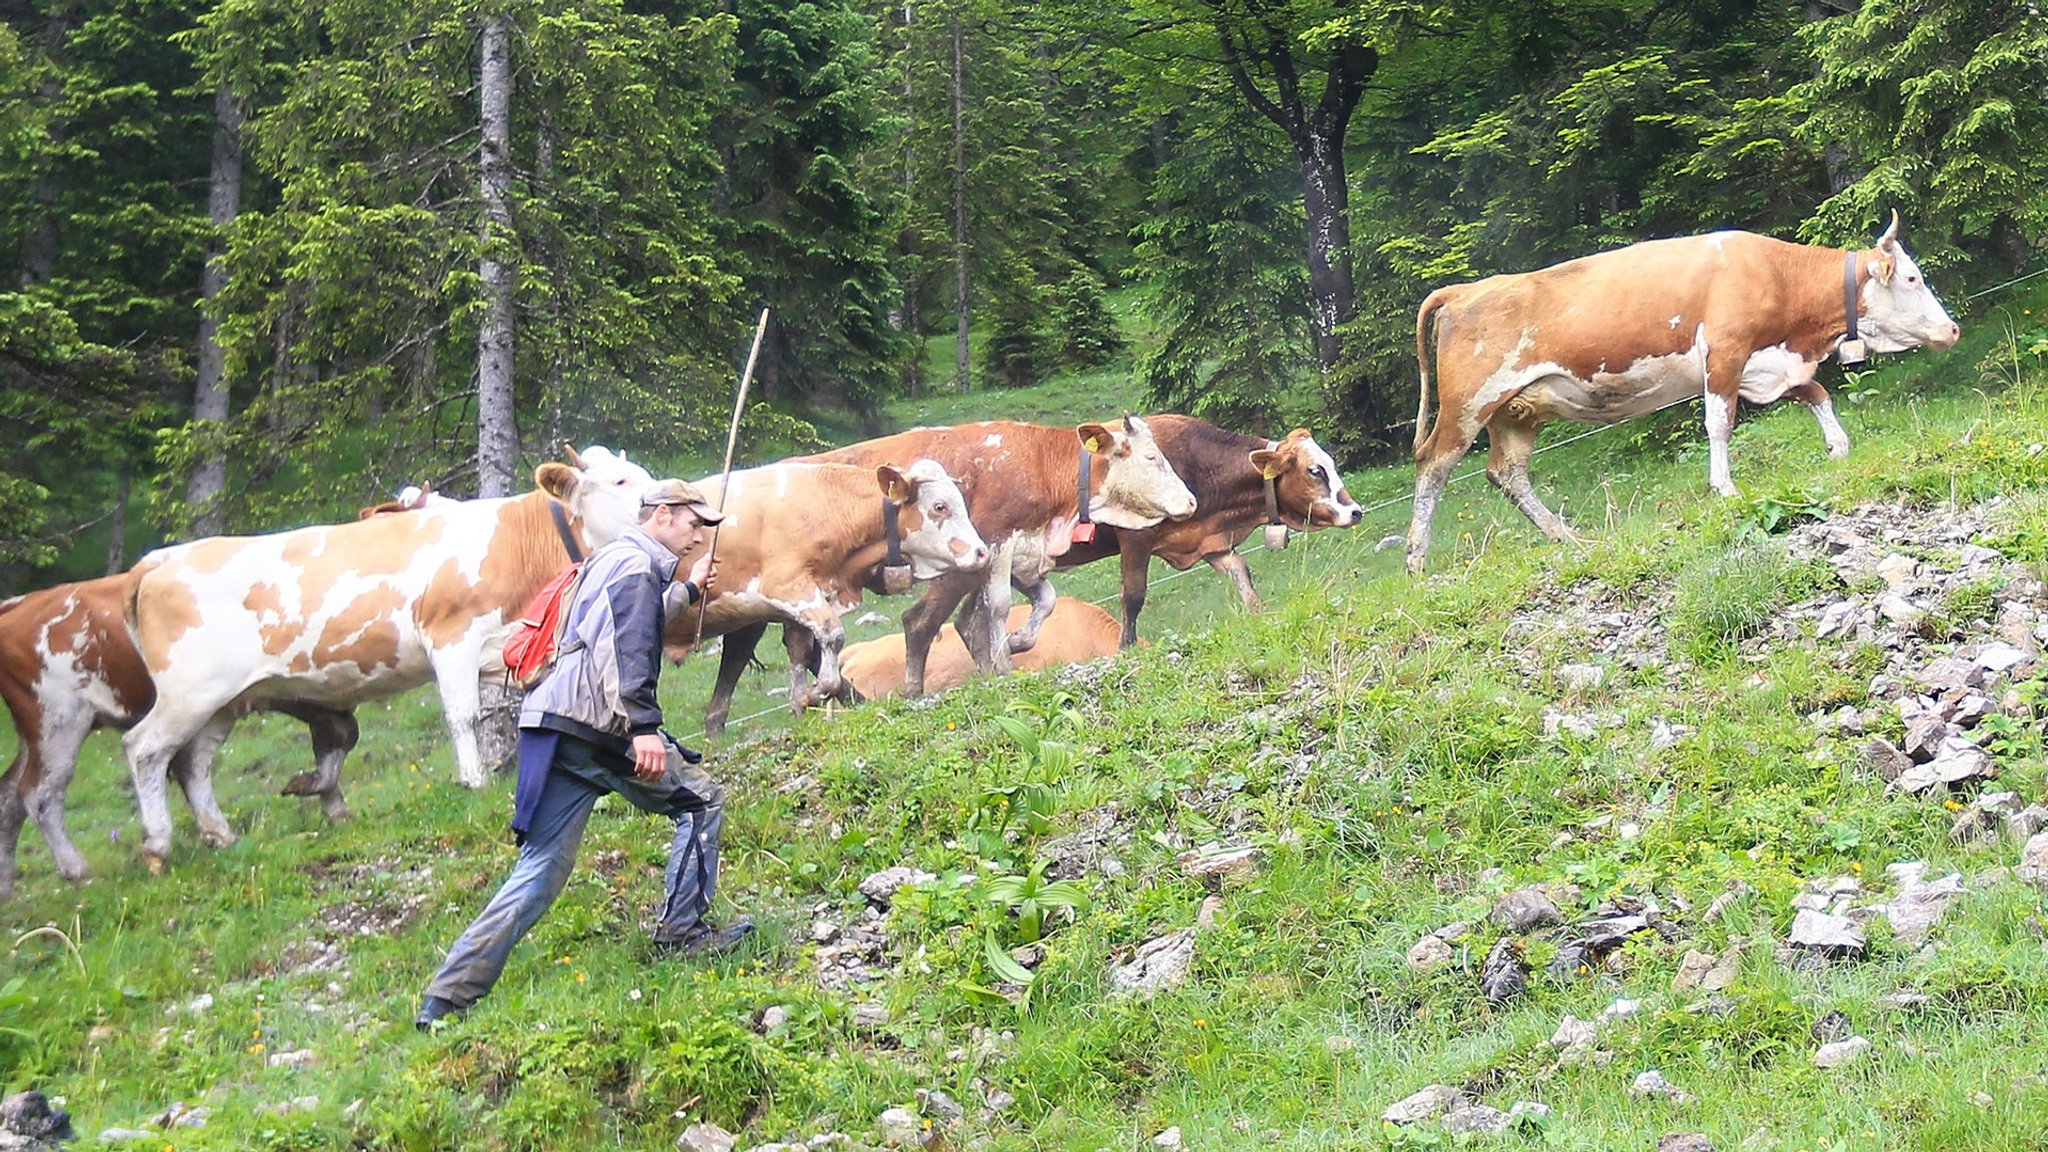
(681, 493)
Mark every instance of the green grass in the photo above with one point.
(1376, 736)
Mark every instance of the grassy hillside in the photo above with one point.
(1400, 754)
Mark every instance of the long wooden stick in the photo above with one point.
(732, 439)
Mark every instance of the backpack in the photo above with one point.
(536, 637)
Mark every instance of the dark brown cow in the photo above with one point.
(1606, 337)
(1020, 481)
(1228, 474)
(68, 666)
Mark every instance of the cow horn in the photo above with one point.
(575, 461)
(1891, 234)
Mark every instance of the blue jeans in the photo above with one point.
(580, 773)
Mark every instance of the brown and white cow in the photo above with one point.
(1229, 475)
(798, 544)
(1021, 483)
(339, 614)
(1075, 632)
(1610, 336)
(68, 666)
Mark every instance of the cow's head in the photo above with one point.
(1139, 488)
(1307, 488)
(1898, 311)
(601, 488)
(932, 516)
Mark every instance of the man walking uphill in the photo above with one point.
(592, 726)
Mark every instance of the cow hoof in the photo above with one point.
(336, 812)
(1840, 452)
(1728, 491)
(154, 863)
(217, 839)
(1019, 642)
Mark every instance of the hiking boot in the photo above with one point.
(704, 940)
(433, 1009)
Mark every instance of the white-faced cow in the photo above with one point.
(68, 666)
(1074, 633)
(798, 544)
(1238, 481)
(1600, 339)
(1023, 484)
(336, 615)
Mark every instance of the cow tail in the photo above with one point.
(1437, 299)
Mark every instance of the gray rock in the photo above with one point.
(899, 1128)
(705, 1137)
(1574, 1033)
(1924, 733)
(1685, 1142)
(32, 1122)
(1581, 677)
(870, 1014)
(1427, 1104)
(1841, 1053)
(880, 888)
(1429, 953)
(774, 1016)
(1213, 861)
(1169, 1139)
(2034, 859)
(1897, 569)
(1505, 975)
(1975, 555)
(126, 1135)
(1653, 1085)
(1157, 965)
(824, 931)
(1525, 910)
(1823, 933)
(2000, 658)
(1839, 619)
(1947, 673)
(2021, 825)
(1904, 1000)
(1477, 1119)
(1528, 1112)
(1900, 611)
(939, 1106)
(1701, 972)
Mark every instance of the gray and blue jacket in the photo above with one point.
(601, 687)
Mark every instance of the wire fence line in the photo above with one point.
(1254, 544)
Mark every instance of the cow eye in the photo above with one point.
(1316, 470)
(939, 512)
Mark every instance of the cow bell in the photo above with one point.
(1850, 351)
(1276, 536)
(895, 579)
(1084, 532)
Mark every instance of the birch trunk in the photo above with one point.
(961, 313)
(497, 434)
(209, 476)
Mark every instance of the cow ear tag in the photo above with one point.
(1850, 351)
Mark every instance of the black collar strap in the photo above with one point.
(1849, 291)
(891, 533)
(569, 543)
(1081, 498)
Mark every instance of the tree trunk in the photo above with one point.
(1326, 201)
(39, 236)
(961, 314)
(209, 476)
(117, 528)
(497, 435)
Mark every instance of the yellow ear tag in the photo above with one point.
(1093, 444)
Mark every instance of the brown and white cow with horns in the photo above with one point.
(1606, 337)
(336, 615)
